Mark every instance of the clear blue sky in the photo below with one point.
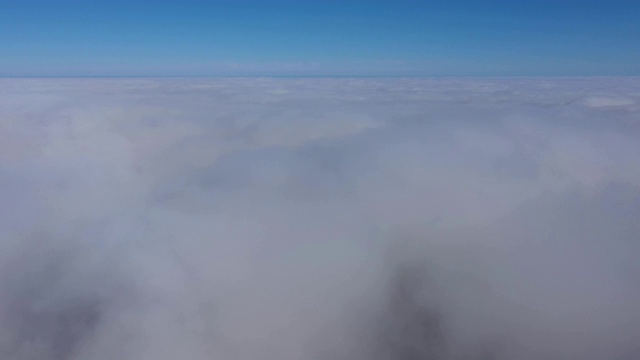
(319, 37)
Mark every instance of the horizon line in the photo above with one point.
(310, 76)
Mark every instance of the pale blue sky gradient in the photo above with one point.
(319, 38)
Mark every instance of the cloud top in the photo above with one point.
(319, 218)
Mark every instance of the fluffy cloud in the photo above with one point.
(319, 218)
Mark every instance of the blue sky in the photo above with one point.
(319, 38)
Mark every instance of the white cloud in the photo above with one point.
(604, 101)
(265, 218)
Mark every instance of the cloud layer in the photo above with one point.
(318, 219)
